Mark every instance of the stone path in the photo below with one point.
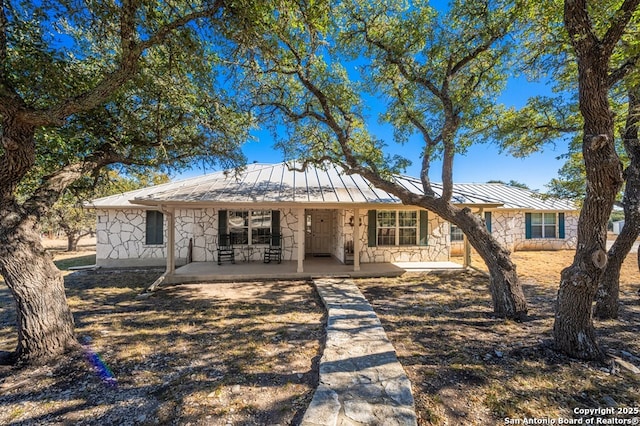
(361, 380)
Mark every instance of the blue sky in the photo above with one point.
(482, 162)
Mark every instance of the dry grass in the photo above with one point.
(245, 354)
(238, 353)
(468, 367)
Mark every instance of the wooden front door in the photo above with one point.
(318, 235)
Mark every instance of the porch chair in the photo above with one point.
(225, 249)
(274, 251)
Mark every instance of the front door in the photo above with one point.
(318, 235)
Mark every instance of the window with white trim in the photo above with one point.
(249, 227)
(397, 227)
(543, 225)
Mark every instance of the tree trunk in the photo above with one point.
(573, 327)
(44, 320)
(506, 291)
(72, 241)
(609, 290)
(573, 330)
(608, 295)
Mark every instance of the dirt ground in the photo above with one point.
(211, 354)
(470, 368)
(247, 353)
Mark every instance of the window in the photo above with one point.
(544, 225)
(456, 233)
(249, 227)
(260, 226)
(238, 227)
(397, 227)
(386, 228)
(154, 228)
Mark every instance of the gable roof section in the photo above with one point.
(278, 183)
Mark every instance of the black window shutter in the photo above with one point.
(487, 220)
(561, 225)
(527, 226)
(222, 228)
(372, 231)
(275, 227)
(424, 228)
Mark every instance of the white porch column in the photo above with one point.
(171, 240)
(356, 239)
(300, 237)
(467, 252)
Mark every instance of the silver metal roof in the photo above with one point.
(279, 183)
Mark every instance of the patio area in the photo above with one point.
(313, 267)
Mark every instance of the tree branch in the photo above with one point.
(623, 70)
(128, 65)
(621, 18)
(578, 25)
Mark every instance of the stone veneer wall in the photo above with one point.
(569, 242)
(120, 237)
(435, 250)
(120, 240)
(509, 228)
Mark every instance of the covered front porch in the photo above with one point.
(313, 267)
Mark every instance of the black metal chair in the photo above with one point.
(274, 251)
(225, 249)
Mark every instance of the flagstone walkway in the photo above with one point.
(361, 380)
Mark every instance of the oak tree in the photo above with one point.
(433, 74)
(84, 86)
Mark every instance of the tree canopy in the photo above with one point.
(88, 85)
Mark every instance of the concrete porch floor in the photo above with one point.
(313, 267)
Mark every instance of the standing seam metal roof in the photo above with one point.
(279, 183)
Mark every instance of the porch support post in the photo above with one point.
(356, 239)
(300, 238)
(467, 253)
(171, 240)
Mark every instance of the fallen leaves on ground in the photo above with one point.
(469, 367)
(233, 353)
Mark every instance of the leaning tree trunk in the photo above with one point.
(44, 320)
(506, 290)
(609, 290)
